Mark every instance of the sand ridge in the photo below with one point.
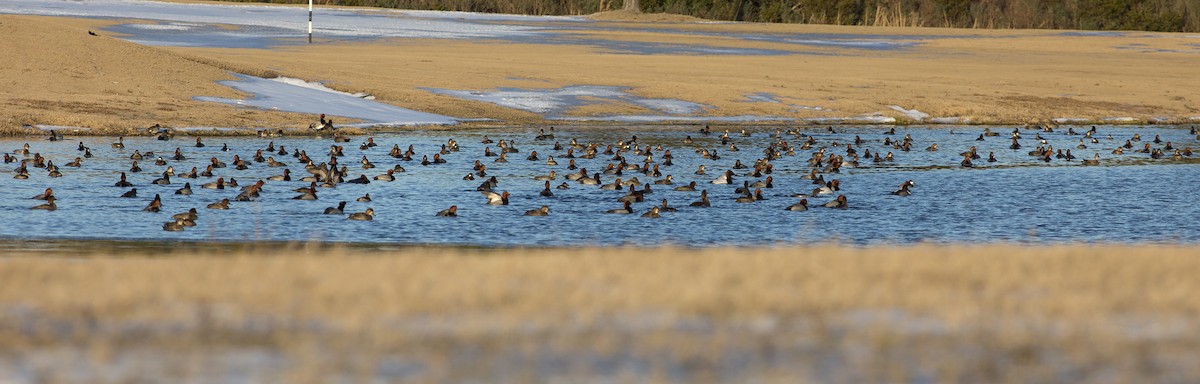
(984, 76)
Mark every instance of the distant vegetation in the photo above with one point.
(1149, 15)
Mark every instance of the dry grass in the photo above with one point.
(1001, 76)
(955, 313)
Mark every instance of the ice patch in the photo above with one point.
(764, 97)
(1062, 120)
(865, 119)
(554, 103)
(1120, 119)
(284, 96)
(61, 128)
(911, 113)
(672, 106)
(319, 87)
(654, 118)
(165, 27)
(950, 120)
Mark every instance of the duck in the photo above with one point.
(543, 211)
(135, 168)
(78, 162)
(669, 180)
(120, 144)
(219, 184)
(49, 205)
(904, 188)
(186, 190)
(725, 178)
(829, 188)
(189, 215)
(164, 180)
(449, 212)
(768, 183)
(653, 213)
(546, 191)
(361, 179)
(123, 183)
(496, 198)
(223, 204)
(704, 202)
(627, 209)
(339, 209)
(666, 208)
(839, 203)
(366, 215)
(286, 176)
(309, 193)
(45, 195)
(1093, 161)
(551, 176)
(174, 226)
(389, 176)
(364, 198)
(800, 206)
(155, 205)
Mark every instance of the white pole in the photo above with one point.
(310, 21)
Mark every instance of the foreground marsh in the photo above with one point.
(194, 312)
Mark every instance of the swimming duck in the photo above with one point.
(48, 193)
(286, 176)
(223, 204)
(839, 203)
(362, 179)
(703, 203)
(75, 163)
(336, 210)
(496, 198)
(219, 184)
(627, 209)
(551, 176)
(186, 190)
(829, 188)
(546, 191)
(768, 183)
(725, 178)
(389, 176)
(120, 144)
(666, 208)
(669, 180)
(174, 226)
(904, 189)
(563, 186)
(49, 205)
(543, 211)
(309, 193)
(1094, 161)
(123, 183)
(364, 198)
(449, 212)
(189, 215)
(550, 161)
(164, 180)
(155, 205)
(653, 213)
(135, 168)
(367, 215)
(800, 206)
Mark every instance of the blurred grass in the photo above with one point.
(992, 313)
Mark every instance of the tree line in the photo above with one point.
(1147, 15)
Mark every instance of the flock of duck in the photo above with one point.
(620, 166)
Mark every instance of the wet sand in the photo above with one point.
(995, 76)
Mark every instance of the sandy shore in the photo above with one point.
(995, 76)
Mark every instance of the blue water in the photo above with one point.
(1129, 198)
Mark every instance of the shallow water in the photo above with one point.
(1129, 198)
